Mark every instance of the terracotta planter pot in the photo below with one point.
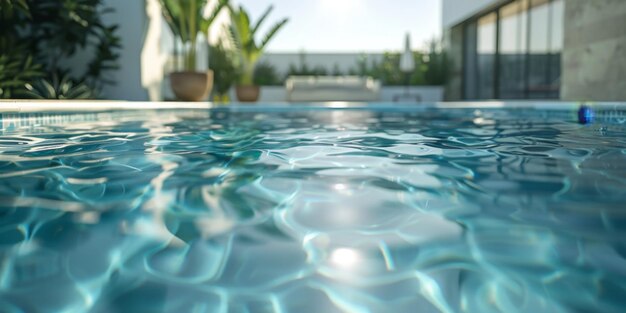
(191, 86)
(248, 93)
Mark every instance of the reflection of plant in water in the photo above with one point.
(214, 189)
(203, 212)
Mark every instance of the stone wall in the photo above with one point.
(594, 56)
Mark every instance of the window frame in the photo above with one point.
(526, 55)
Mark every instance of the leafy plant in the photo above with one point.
(243, 35)
(305, 70)
(17, 64)
(221, 61)
(336, 70)
(36, 36)
(436, 64)
(186, 20)
(9, 7)
(265, 75)
(60, 88)
(430, 68)
(63, 27)
(17, 70)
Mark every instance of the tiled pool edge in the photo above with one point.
(26, 106)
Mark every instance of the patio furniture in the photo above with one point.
(325, 88)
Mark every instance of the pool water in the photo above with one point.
(312, 210)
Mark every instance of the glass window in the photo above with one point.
(556, 42)
(513, 35)
(486, 48)
(556, 47)
(525, 38)
(539, 52)
(469, 58)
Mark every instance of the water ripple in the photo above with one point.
(311, 211)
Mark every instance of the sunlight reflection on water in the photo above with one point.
(456, 210)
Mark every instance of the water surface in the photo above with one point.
(253, 210)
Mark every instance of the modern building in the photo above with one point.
(536, 49)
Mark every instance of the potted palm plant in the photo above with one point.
(249, 51)
(222, 62)
(187, 21)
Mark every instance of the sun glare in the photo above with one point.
(340, 6)
(345, 258)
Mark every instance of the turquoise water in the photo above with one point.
(312, 210)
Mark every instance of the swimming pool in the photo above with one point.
(334, 208)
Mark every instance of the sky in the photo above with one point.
(349, 25)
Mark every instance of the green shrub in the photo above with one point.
(36, 34)
(221, 61)
(265, 74)
(61, 88)
(243, 35)
(430, 68)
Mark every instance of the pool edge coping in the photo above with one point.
(29, 106)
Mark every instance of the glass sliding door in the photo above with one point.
(486, 56)
(514, 51)
(546, 44)
(557, 11)
(513, 46)
(470, 74)
(539, 50)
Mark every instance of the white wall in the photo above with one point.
(132, 21)
(344, 61)
(455, 11)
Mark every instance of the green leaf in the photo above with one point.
(207, 22)
(172, 13)
(63, 87)
(242, 34)
(272, 32)
(261, 19)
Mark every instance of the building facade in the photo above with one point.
(536, 49)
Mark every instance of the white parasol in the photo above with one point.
(407, 63)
